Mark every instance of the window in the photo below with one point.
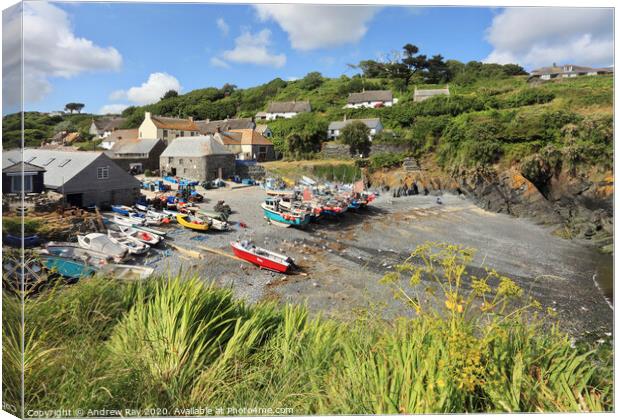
(180, 161)
(16, 183)
(49, 161)
(103, 172)
(63, 163)
(165, 134)
(170, 160)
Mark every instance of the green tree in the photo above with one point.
(311, 81)
(74, 106)
(357, 136)
(170, 94)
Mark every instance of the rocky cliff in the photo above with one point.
(579, 204)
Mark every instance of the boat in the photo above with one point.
(67, 267)
(141, 207)
(246, 250)
(273, 212)
(127, 221)
(218, 222)
(124, 210)
(101, 243)
(142, 236)
(72, 250)
(149, 230)
(157, 217)
(126, 272)
(192, 222)
(132, 245)
(16, 241)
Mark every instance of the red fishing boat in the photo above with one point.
(246, 250)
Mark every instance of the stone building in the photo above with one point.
(200, 158)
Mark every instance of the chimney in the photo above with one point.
(554, 65)
(344, 118)
(190, 118)
(147, 115)
(208, 120)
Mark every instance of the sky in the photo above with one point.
(113, 55)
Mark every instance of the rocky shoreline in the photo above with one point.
(579, 205)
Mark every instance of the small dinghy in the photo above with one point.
(66, 267)
(132, 245)
(192, 222)
(275, 213)
(126, 221)
(16, 241)
(72, 250)
(124, 210)
(101, 243)
(126, 272)
(140, 235)
(246, 250)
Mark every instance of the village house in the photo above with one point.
(371, 99)
(420, 95)
(103, 127)
(565, 71)
(137, 155)
(373, 124)
(21, 177)
(128, 134)
(166, 128)
(83, 178)
(255, 146)
(264, 130)
(200, 158)
(216, 126)
(285, 109)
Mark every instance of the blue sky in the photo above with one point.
(110, 55)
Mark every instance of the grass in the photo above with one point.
(323, 169)
(174, 342)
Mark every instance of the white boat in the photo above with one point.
(157, 217)
(132, 245)
(141, 207)
(140, 235)
(126, 272)
(126, 221)
(74, 251)
(101, 243)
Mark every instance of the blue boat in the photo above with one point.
(124, 210)
(274, 213)
(68, 268)
(16, 241)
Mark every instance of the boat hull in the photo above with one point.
(68, 268)
(182, 219)
(286, 219)
(260, 261)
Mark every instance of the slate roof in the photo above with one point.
(291, 106)
(132, 146)
(174, 123)
(195, 147)
(20, 167)
(339, 125)
(60, 166)
(109, 124)
(249, 136)
(370, 96)
(211, 127)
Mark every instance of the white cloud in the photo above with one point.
(218, 62)
(150, 91)
(535, 37)
(292, 78)
(311, 27)
(112, 108)
(51, 49)
(252, 49)
(223, 26)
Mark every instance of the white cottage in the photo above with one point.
(371, 99)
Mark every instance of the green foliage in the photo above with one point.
(386, 160)
(170, 94)
(74, 106)
(356, 136)
(299, 136)
(474, 345)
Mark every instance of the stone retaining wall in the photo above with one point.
(333, 150)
